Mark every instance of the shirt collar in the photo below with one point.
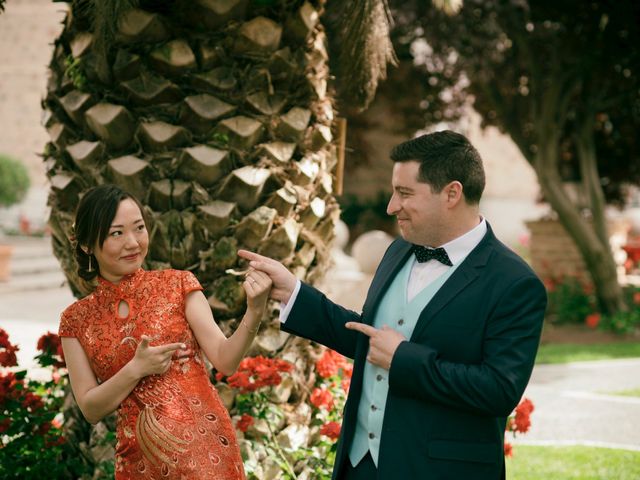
(460, 247)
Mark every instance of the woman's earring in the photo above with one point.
(90, 269)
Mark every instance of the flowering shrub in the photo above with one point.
(518, 422)
(261, 420)
(32, 444)
(570, 299)
(31, 440)
(620, 322)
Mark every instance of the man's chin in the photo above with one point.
(405, 233)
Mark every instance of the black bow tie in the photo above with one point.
(424, 254)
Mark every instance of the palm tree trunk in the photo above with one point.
(217, 115)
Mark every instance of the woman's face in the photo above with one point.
(126, 244)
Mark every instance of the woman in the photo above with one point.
(134, 346)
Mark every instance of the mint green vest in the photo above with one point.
(396, 312)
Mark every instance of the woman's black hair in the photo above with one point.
(95, 213)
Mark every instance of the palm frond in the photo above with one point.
(104, 16)
(366, 49)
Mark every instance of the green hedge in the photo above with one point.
(14, 181)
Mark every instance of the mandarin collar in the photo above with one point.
(125, 286)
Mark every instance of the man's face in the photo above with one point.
(420, 212)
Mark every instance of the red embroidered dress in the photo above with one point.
(171, 426)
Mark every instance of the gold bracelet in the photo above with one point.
(248, 329)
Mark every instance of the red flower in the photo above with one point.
(8, 382)
(44, 428)
(51, 346)
(322, 398)
(636, 298)
(244, 422)
(256, 372)
(54, 443)
(5, 423)
(522, 421)
(508, 449)
(242, 381)
(32, 402)
(219, 376)
(8, 357)
(525, 406)
(592, 320)
(7, 350)
(329, 363)
(331, 430)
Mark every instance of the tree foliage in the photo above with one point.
(511, 56)
(561, 78)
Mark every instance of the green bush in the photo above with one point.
(573, 300)
(627, 321)
(14, 181)
(570, 299)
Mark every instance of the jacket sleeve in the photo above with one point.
(495, 385)
(317, 318)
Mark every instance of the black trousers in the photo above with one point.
(365, 470)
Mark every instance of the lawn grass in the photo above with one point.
(572, 463)
(573, 352)
(634, 392)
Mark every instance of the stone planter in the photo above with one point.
(5, 259)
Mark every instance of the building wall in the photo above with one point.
(27, 31)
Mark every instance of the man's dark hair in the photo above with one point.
(94, 216)
(445, 157)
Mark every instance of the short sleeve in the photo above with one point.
(68, 324)
(190, 283)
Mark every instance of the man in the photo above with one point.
(448, 333)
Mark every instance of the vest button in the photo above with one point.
(401, 322)
(379, 377)
(372, 436)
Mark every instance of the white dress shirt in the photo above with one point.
(422, 274)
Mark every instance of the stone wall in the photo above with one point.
(27, 31)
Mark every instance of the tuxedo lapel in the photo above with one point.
(385, 274)
(465, 274)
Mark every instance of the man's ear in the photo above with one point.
(454, 193)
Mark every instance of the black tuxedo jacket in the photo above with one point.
(462, 372)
